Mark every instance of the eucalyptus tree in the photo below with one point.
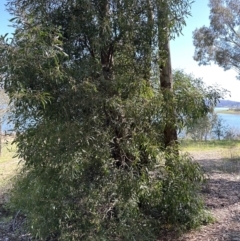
(194, 104)
(96, 43)
(196, 94)
(220, 42)
(170, 18)
(220, 128)
(91, 123)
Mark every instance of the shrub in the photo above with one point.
(181, 204)
(112, 204)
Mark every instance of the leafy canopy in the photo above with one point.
(220, 42)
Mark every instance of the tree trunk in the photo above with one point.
(166, 83)
(166, 79)
(106, 51)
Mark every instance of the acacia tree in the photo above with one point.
(220, 42)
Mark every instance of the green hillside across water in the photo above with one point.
(228, 107)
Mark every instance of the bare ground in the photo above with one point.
(221, 196)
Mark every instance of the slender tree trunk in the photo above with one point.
(107, 48)
(166, 78)
(166, 83)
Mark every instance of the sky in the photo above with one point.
(182, 50)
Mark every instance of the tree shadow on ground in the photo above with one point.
(225, 234)
(227, 165)
(221, 193)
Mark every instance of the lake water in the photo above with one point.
(6, 127)
(230, 120)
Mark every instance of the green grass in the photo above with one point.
(189, 145)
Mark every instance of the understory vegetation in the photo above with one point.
(121, 204)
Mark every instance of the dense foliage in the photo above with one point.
(90, 117)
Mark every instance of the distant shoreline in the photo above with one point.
(227, 111)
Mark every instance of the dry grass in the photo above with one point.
(8, 167)
(212, 145)
(216, 156)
